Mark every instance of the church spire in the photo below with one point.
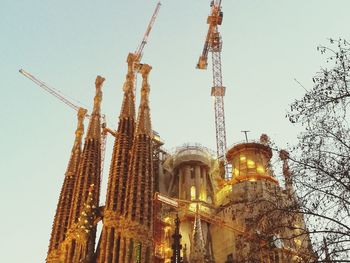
(90, 164)
(144, 117)
(94, 130)
(284, 155)
(198, 252)
(122, 145)
(60, 224)
(176, 246)
(118, 173)
(137, 237)
(80, 242)
(128, 105)
(88, 174)
(184, 253)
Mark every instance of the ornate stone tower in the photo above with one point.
(78, 247)
(108, 249)
(60, 223)
(198, 251)
(191, 170)
(250, 200)
(136, 237)
(176, 246)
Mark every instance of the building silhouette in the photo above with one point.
(172, 206)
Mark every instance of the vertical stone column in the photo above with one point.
(102, 253)
(143, 253)
(187, 173)
(123, 249)
(204, 182)
(181, 179)
(197, 176)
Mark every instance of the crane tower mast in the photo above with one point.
(213, 44)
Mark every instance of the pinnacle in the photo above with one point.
(128, 105)
(197, 244)
(144, 119)
(94, 130)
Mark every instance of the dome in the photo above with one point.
(189, 153)
(250, 162)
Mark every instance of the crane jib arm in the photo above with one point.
(52, 91)
(139, 50)
(212, 40)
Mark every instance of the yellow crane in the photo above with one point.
(185, 206)
(213, 44)
(134, 66)
(187, 209)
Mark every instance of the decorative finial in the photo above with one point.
(94, 130)
(80, 128)
(99, 81)
(145, 69)
(144, 119)
(98, 96)
(81, 116)
(264, 139)
(129, 84)
(284, 155)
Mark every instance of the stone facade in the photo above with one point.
(245, 224)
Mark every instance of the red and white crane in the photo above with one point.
(138, 53)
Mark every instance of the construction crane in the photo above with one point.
(134, 58)
(62, 98)
(187, 209)
(184, 205)
(50, 90)
(213, 44)
(138, 53)
(191, 209)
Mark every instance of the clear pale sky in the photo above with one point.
(267, 43)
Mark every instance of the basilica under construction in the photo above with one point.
(190, 205)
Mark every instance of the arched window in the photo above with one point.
(193, 192)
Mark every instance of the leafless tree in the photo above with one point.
(321, 160)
